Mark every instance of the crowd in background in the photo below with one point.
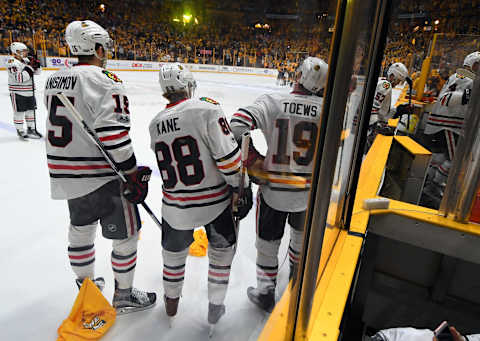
(145, 31)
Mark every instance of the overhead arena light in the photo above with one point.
(176, 19)
(187, 18)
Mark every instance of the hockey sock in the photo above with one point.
(294, 248)
(30, 118)
(267, 263)
(81, 251)
(18, 120)
(124, 260)
(173, 272)
(220, 262)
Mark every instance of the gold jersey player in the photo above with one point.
(290, 124)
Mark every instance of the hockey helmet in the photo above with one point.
(175, 77)
(399, 72)
(17, 48)
(471, 59)
(82, 36)
(314, 74)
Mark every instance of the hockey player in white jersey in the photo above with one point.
(290, 124)
(81, 175)
(382, 102)
(199, 161)
(21, 86)
(445, 125)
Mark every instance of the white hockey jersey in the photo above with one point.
(290, 124)
(412, 334)
(449, 112)
(75, 163)
(20, 77)
(198, 158)
(382, 102)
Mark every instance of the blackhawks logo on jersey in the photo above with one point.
(209, 100)
(386, 85)
(112, 76)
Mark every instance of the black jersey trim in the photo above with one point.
(80, 176)
(112, 128)
(236, 171)
(249, 114)
(197, 205)
(236, 120)
(196, 190)
(76, 158)
(119, 145)
(228, 156)
(130, 163)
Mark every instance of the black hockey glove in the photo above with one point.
(402, 109)
(466, 96)
(244, 204)
(34, 62)
(136, 188)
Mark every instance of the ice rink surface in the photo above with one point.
(38, 288)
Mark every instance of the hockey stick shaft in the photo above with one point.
(244, 156)
(95, 139)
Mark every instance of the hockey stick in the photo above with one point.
(244, 156)
(93, 136)
(410, 85)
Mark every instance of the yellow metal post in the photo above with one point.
(426, 69)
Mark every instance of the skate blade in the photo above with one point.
(171, 320)
(211, 330)
(35, 137)
(129, 310)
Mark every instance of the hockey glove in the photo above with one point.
(402, 109)
(34, 62)
(136, 188)
(244, 204)
(254, 164)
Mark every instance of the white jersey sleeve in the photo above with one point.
(449, 111)
(289, 123)
(198, 158)
(382, 102)
(75, 163)
(20, 77)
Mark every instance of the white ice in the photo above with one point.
(37, 288)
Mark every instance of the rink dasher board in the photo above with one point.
(56, 63)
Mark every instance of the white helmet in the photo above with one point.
(314, 74)
(470, 60)
(16, 47)
(174, 77)
(82, 36)
(399, 71)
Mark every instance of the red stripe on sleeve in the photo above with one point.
(114, 137)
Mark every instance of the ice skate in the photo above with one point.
(215, 312)
(171, 307)
(99, 282)
(130, 300)
(22, 135)
(265, 301)
(33, 133)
